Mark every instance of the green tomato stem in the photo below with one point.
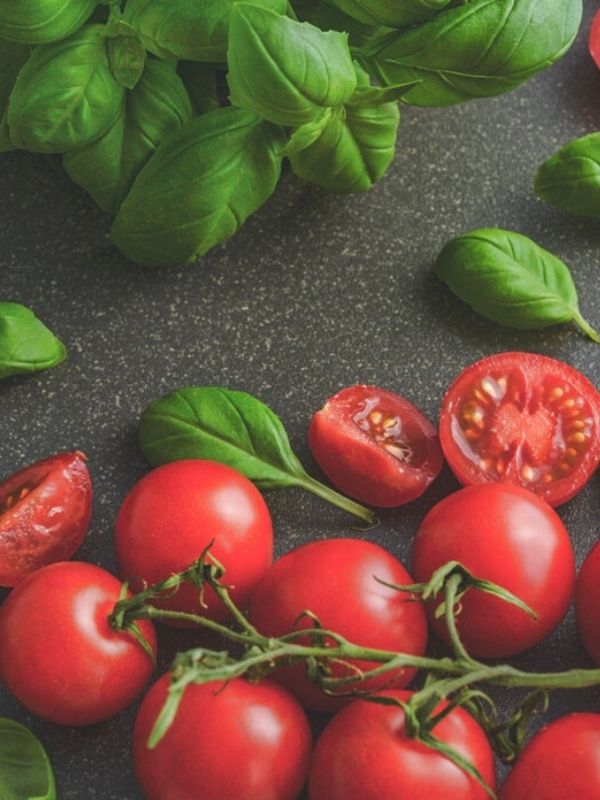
(337, 499)
(586, 328)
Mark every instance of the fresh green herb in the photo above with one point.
(37, 21)
(12, 58)
(235, 429)
(202, 84)
(393, 13)
(510, 279)
(25, 770)
(126, 54)
(571, 178)
(26, 344)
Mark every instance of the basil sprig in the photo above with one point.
(233, 428)
(570, 179)
(26, 344)
(25, 770)
(510, 279)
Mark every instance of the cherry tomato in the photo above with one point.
(594, 40)
(336, 580)
(375, 446)
(364, 753)
(561, 761)
(45, 511)
(587, 603)
(525, 419)
(238, 741)
(509, 536)
(174, 512)
(58, 655)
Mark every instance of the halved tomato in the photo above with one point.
(375, 446)
(525, 419)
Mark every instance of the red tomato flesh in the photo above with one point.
(45, 511)
(525, 419)
(375, 446)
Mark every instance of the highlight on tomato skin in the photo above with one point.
(594, 39)
(375, 446)
(525, 419)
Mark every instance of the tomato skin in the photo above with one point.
(334, 578)
(525, 419)
(365, 754)
(58, 655)
(509, 536)
(587, 603)
(594, 39)
(357, 455)
(240, 741)
(561, 761)
(50, 521)
(174, 512)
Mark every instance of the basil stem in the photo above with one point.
(25, 770)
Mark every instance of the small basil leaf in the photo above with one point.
(187, 29)
(510, 279)
(233, 428)
(107, 168)
(65, 96)
(25, 770)
(199, 187)
(201, 82)
(39, 21)
(378, 95)
(273, 70)
(12, 58)
(477, 49)
(393, 13)
(126, 55)
(571, 178)
(26, 344)
(308, 133)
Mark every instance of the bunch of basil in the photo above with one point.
(175, 115)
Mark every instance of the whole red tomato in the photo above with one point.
(336, 579)
(594, 39)
(45, 511)
(525, 419)
(58, 655)
(364, 753)
(238, 741)
(509, 536)
(174, 512)
(375, 446)
(561, 762)
(587, 603)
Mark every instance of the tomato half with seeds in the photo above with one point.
(525, 419)
(375, 446)
(45, 511)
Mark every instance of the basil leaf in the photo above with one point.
(510, 279)
(26, 344)
(187, 29)
(38, 21)
(65, 95)
(330, 18)
(233, 428)
(199, 187)
(393, 13)
(201, 82)
(25, 770)
(571, 178)
(107, 168)
(126, 55)
(12, 58)
(479, 49)
(273, 70)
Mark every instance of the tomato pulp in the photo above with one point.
(375, 446)
(525, 419)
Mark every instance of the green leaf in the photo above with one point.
(65, 96)
(26, 344)
(393, 13)
(201, 82)
(286, 71)
(187, 29)
(40, 21)
(479, 49)
(571, 178)
(25, 770)
(107, 168)
(126, 55)
(330, 18)
(199, 187)
(510, 279)
(12, 58)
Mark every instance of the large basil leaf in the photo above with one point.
(199, 187)
(571, 178)
(393, 13)
(187, 29)
(107, 168)
(37, 21)
(65, 95)
(201, 82)
(479, 49)
(12, 57)
(25, 770)
(286, 71)
(510, 279)
(26, 344)
(233, 428)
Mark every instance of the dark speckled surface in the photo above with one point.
(317, 292)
